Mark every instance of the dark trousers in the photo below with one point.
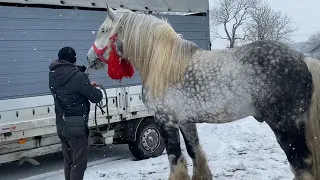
(75, 146)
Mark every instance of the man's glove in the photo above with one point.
(93, 83)
(82, 68)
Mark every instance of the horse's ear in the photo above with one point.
(111, 13)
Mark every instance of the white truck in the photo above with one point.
(33, 30)
(28, 127)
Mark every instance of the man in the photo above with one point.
(72, 90)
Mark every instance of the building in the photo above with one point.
(315, 52)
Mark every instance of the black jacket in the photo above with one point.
(71, 88)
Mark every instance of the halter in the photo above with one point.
(118, 67)
(100, 52)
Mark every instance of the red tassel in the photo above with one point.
(117, 67)
(127, 68)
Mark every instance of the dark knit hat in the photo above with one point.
(68, 54)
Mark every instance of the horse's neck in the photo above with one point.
(164, 67)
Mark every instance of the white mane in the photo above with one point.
(155, 49)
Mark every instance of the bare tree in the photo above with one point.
(266, 24)
(314, 39)
(314, 45)
(232, 15)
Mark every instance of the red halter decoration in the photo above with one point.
(118, 68)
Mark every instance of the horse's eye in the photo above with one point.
(103, 31)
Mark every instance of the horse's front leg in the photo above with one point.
(201, 170)
(170, 133)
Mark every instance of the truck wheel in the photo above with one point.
(149, 142)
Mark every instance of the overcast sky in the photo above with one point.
(305, 14)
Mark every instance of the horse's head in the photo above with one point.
(127, 39)
(106, 39)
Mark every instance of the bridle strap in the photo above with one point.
(100, 52)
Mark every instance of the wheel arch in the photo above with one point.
(136, 126)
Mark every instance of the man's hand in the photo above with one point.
(93, 83)
(82, 68)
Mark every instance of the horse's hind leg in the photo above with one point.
(201, 169)
(291, 138)
(170, 133)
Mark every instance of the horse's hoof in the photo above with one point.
(179, 177)
(202, 177)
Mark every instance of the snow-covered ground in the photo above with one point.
(242, 150)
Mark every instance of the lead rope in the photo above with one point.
(101, 106)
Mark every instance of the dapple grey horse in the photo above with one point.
(184, 85)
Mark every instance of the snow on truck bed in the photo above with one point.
(242, 150)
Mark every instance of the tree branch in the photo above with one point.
(231, 11)
(267, 24)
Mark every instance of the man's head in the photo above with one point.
(68, 54)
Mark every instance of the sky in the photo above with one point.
(304, 13)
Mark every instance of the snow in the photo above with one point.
(241, 150)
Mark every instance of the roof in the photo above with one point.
(315, 49)
(140, 5)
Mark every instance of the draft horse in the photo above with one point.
(184, 85)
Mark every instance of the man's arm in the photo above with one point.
(87, 90)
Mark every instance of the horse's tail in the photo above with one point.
(312, 127)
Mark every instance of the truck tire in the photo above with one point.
(149, 142)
